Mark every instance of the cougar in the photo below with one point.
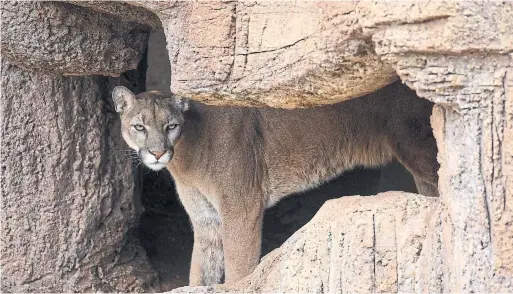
(231, 163)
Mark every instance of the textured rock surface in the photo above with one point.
(124, 11)
(473, 124)
(291, 54)
(463, 62)
(66, 39)
(439, 27)
(285, 54)
(387, 243)
(67, 190)
(472, 83)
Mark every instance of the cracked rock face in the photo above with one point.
(473, 126)
(283, 54)
(56, 37)
(299, 54)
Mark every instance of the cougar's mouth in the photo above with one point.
(156, 166)
(153, 162)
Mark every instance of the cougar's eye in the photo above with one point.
(171, 127)
(139, 128)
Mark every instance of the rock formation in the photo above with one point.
(68, 208)
(67, 195)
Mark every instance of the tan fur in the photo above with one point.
(231, 163)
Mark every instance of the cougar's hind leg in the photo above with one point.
(428, 188)
(411, 141)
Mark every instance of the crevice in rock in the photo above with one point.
(276, 49)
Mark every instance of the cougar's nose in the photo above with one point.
(157, 154)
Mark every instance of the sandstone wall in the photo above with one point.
(297, 54)
(62, 38)
(68, 208)
(473, 125)
(67, 188)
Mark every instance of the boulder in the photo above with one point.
(56, 37)
(390, 242)
(299, 54)
(123, 11)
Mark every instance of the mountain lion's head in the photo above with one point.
(151, 123)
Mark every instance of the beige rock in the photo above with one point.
(53, 37)
(473, 125)
(296, 54)
(439, 27)
(283, 54)
(67, 191)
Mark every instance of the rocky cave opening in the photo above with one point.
(164, 227)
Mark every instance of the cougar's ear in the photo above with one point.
(123, 98)
(182, 102)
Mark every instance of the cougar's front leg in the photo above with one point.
(242, 235)
(207, 265)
